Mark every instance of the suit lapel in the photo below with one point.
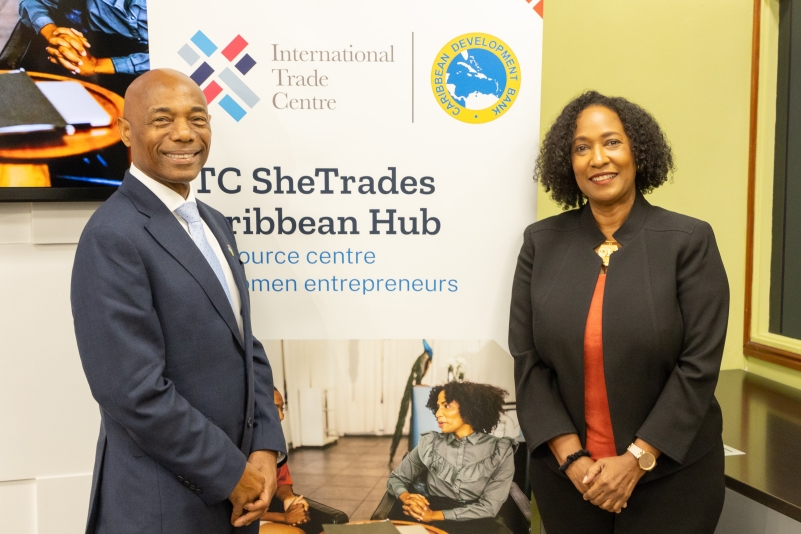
(166, 229)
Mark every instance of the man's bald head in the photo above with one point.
(166, 125)
(137, 93)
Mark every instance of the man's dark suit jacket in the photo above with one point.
(184, 399)
(665, 313)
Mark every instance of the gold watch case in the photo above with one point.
(647, 461)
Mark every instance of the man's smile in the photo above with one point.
(182, 156)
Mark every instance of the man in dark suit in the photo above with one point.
(189, 433)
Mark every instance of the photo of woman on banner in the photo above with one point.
(468, 472)
(103, 41)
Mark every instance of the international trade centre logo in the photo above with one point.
(233, 54)
(476, 78)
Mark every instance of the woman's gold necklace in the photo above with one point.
(606, 250)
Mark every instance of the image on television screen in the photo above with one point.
(64, 69)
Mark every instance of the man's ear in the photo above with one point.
(125, 130)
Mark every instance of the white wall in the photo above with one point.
(48, 419)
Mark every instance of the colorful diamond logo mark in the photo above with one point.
(245, 64)
(234, 48)
(202, 73)
(204, 43)
(229, 79)
(212, 90)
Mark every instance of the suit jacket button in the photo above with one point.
(198, 491)
(186, 483)
(193, 488)
(180, 478)
(250, 422)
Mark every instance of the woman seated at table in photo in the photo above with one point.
(469, 470)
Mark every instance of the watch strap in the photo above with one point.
(635, 450)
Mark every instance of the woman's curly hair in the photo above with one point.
(480, 405)
(649, 146)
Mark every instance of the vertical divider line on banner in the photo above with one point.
(412, 77)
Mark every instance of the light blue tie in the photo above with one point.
(188, 212)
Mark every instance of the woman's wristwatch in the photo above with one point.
(645, 459)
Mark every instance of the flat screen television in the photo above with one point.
(55, 194)
(81, 157)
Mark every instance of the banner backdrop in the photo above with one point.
(374, 158)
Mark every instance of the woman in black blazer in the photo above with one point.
(618, 320)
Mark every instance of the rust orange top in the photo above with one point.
(600, 437)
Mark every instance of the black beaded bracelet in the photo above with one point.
(572, 458)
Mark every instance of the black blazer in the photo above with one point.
(665, 314)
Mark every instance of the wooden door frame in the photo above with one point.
(752, 348)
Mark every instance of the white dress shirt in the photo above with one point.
(173, 201)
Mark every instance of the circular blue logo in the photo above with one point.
(476, 78)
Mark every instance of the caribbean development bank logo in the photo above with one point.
(476, 78)
(232, 53)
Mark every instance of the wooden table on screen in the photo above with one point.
(25, 164)
(429, 528)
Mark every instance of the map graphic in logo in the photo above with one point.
(476, 78)
(226, 76)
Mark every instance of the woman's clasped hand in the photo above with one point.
(607, 482)
(610, 481)
(417, 506)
